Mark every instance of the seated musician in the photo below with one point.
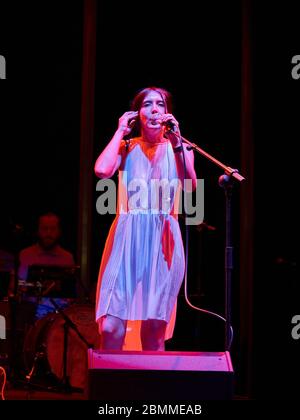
(46, 252)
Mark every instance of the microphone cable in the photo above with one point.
(186, 253)
(2, 370)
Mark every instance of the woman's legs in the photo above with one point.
(153, 334)
(112, 330)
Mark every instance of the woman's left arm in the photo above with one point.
(188, 160)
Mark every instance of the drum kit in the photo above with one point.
(56, 345)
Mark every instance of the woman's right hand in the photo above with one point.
(127, 121)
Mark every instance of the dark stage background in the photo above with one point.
(195, 51)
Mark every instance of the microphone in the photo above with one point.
(169, 125)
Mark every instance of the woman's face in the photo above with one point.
(152, 106)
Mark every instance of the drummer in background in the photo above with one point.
(46, 251)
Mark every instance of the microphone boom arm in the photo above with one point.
(228, 171)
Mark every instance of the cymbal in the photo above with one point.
(24, 283)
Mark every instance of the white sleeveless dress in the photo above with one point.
(142, 265)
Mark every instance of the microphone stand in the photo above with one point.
(226, 182)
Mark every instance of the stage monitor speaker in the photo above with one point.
(159, 376)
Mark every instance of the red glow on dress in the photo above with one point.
(167, 243)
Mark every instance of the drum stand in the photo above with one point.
(64, 386)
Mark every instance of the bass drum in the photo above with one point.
(47, 337)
